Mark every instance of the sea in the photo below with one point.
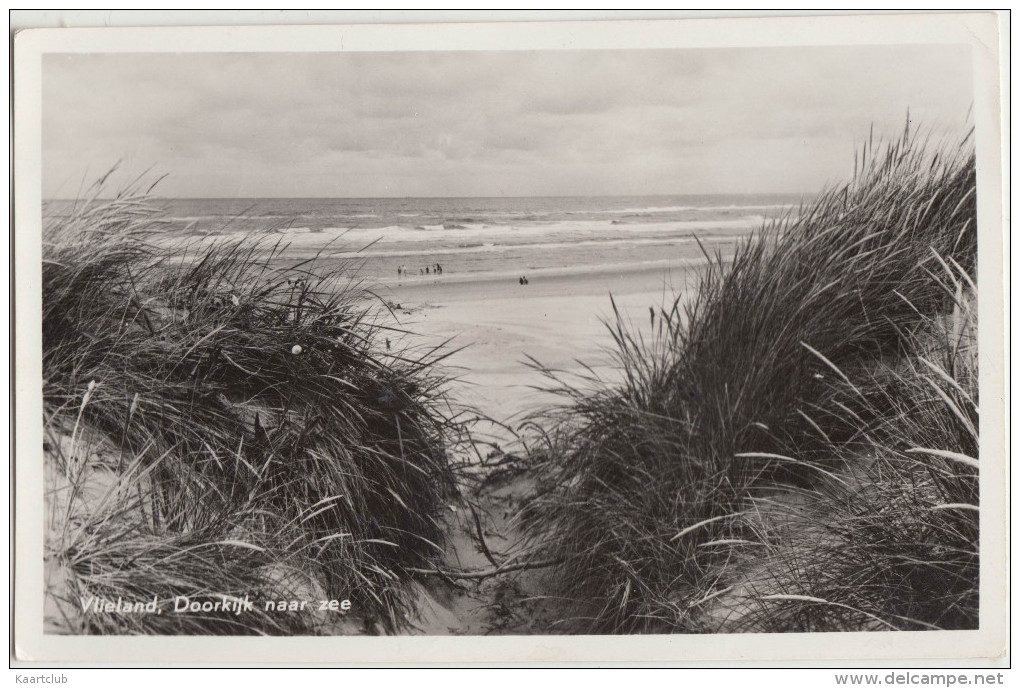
(395, 239)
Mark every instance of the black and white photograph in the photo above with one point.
(676, 338)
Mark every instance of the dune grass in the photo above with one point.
(891, 541)
(221, 422)
(811, 372)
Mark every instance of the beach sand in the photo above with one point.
(494, 324)
(558, 319)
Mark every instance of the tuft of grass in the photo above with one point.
(792, 363)
(219, 418)
(894, 544)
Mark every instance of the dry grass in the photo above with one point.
(243, 425)
(804, 358)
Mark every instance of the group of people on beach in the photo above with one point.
(435, 269)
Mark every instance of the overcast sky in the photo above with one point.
(489, 123)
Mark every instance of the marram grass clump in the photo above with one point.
(222, 423)
(808, 372)
(890, 541)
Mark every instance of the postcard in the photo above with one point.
(549, 341)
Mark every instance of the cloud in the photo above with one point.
(462, 123)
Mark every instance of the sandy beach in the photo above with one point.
(558, 319)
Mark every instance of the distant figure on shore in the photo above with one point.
(421, 271)
(387, 344)
(426, 269)
(520, 280)
(400, 270)
(651, 316)
(439, 269)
